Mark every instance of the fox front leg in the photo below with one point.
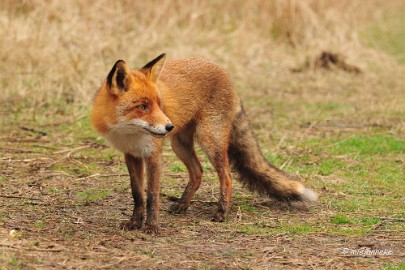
(135, 169)
(153, 171)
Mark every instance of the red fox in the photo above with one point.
(183, 99)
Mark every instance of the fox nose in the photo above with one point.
(169, 127)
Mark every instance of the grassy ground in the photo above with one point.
(63, 192)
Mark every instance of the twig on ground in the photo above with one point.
(30, 249)
(40, 132)
(70, 151)
(19, 197)
(390, 219)
(103, 176)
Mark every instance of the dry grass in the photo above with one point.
(53, 50)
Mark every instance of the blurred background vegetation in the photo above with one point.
(61, 50)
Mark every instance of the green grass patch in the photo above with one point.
(366, 221)
(249, 208)
(368, 163)
(370, 221)
(150, 252)
(391, 266)
(329, 166)
(178, 167)
(81, 127)
(302, 228)
(344, 224)
(15, 263)
(263, 229)
(365, 172)
(352, 204)
(54, 190)
(276, 160)
(90, 195)
(378, 144)
(39, 224)
(341, 219)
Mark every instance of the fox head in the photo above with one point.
(129, 102)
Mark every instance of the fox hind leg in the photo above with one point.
(215, 145)
(183, 146)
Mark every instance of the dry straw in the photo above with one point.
(60, 50)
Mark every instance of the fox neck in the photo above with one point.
(138, 144)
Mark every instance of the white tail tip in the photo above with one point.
(309, 195)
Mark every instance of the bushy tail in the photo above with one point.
(256, 173)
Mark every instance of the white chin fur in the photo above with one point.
(131, 137)
(138, 143)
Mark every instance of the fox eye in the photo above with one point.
(142, 107)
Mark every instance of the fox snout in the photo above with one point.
(159, 130)
(169, 127)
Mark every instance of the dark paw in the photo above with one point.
(151, 229)
(219, 216)
(178, 208)
(131, 225)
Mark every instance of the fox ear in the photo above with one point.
(153, 68)
(117, 79)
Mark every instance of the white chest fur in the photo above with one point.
(138, 144)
